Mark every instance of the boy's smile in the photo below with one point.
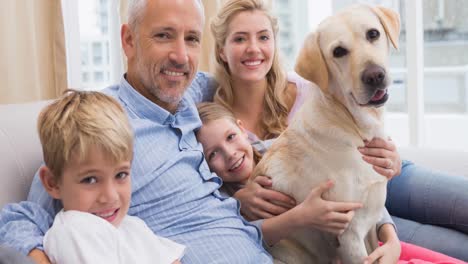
(96, 185)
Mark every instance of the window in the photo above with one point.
(443, 65)
(85, 77)
(97, 53)
(93, 27)
(84, 54)
(98, 77)
(292, 21)
(432, 112)
(445, 56)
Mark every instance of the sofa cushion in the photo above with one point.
(447, 160)
(20, 149)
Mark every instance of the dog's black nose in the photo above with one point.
(373, 76)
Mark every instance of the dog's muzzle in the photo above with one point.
(375, 80)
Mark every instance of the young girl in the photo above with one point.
(229, 154)
(222, 135)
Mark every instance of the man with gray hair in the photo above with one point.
(173, 190)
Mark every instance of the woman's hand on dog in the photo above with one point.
(260, 202)
(383, 156)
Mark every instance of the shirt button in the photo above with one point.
(170, 120)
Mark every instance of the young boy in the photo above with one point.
(229, 154)
(87, 145)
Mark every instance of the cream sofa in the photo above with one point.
(21, 155)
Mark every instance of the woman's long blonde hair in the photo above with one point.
(275, 113)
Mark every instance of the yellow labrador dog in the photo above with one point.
(347, 58)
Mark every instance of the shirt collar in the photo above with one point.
(143, 107)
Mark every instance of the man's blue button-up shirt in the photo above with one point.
(173, 190)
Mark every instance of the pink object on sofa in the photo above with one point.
(412, 254)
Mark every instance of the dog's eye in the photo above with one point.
(339, 52)
(373, 34)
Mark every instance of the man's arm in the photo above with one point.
(203, 88)
(23, 225)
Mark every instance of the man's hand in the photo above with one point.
(259, 202)
(39, 256)
(383, 156)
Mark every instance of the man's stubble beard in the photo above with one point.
(153, 86)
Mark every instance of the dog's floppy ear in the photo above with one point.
(310, 63)
(391, 23)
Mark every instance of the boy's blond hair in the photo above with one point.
(79, 120)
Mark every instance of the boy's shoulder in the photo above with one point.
(133, 224)
(81, 221)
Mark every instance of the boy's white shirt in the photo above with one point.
(78, 237)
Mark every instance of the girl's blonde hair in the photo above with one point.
(275, 113)
(209, 111)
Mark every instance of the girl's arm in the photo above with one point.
(390, 250)
(314, 212)
(38, 256)
(260, 202)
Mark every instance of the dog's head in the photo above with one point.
(347, 56)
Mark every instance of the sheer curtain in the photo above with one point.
(33, 64)
(207, 58)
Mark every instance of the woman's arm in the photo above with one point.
(383, 156)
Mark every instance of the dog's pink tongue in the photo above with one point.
(378, 95)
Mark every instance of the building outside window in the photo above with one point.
(445, 82)
(445, 60)
(94, 41)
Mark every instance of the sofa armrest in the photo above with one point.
(450, 161)
(20, 150)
